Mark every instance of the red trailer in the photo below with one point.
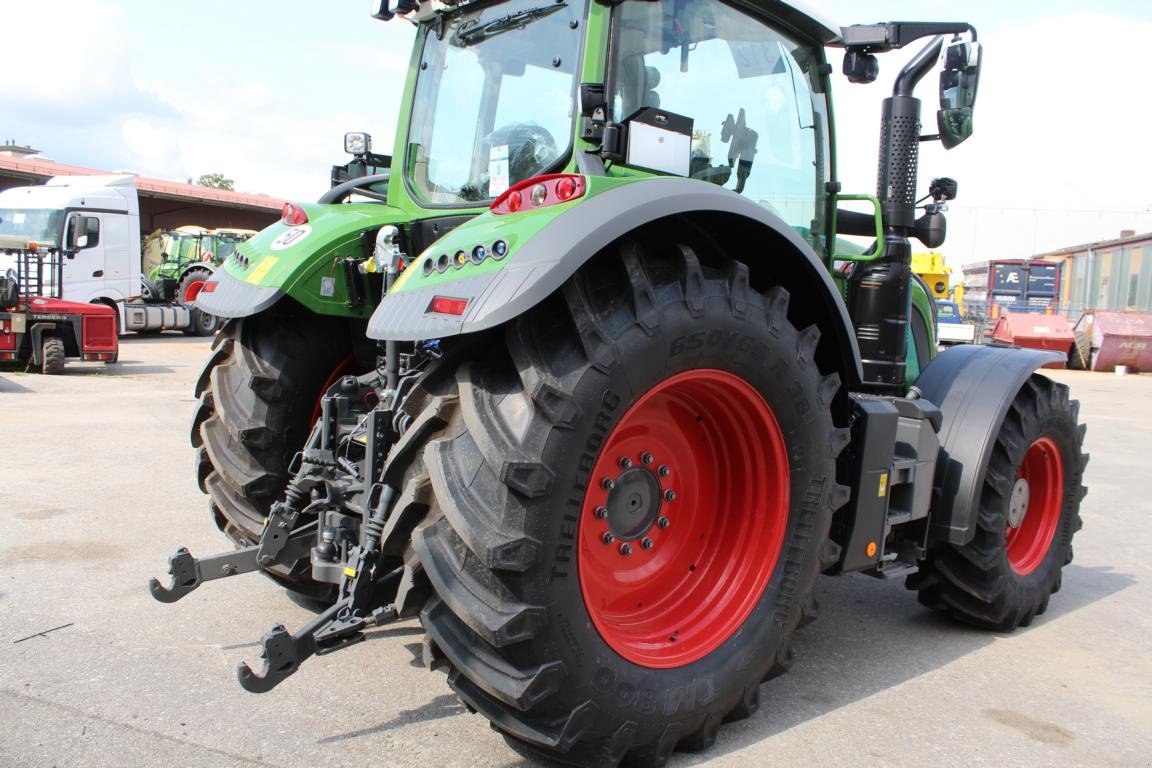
(1048, 332)
(1118, 338)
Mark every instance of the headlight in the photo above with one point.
(357, 143)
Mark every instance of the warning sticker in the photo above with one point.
(261, 269)
(498, 180)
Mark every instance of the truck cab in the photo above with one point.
(107, 269)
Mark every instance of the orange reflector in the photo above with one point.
(33, 247)
(870, 550)
(209, 287)
(446, 305)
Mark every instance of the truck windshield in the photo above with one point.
(494, 100)
(40, 226)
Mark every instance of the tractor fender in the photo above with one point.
(974, 386)
(232, 298)
(542, 264)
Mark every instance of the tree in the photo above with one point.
(216, 181)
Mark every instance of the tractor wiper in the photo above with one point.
(481, 32)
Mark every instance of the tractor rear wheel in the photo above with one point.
(203, 324)
(627, 507)
(258, 394)
(1029, 512)
(52, 356)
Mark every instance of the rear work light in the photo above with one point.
(540, 192)
(446, 305)
(293, 215)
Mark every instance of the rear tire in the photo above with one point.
(52, 356)
(1029, 511)
(512, 545)
(258, 393)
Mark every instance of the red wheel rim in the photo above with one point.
(192, 291)
(1042, 472)
(692, 487)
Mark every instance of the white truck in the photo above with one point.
(98, 219)
(950, 325)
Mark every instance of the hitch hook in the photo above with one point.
(185, 578)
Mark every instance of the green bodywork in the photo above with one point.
(307, 264)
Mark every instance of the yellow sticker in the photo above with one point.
(349, 571)
(262, 269)
(883, 484)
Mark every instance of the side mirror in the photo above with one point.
(83, 232)
(958, 81)
(9, 290)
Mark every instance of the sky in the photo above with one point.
(263, 93)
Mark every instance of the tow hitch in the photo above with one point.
(365, 586)
(331, 513)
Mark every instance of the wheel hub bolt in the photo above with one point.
(669, 495)
(625, 549)
(664, 471)
(607, 483)
(601, 513)
(663, 522)
(625, 462)
(608, 538)
(646, 543)
(647, 458)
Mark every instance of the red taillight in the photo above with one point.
(540, 192)
(566, 188)
(293, 215)
(446, 305)
(209, 287)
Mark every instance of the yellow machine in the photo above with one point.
(930, 266)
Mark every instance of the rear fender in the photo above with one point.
(303, 262)
(974, 387)
(547, 246)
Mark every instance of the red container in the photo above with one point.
(1119, 338)
(1047, 332)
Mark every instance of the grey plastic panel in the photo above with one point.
(973, 386)
(233, 298)
(543, 264)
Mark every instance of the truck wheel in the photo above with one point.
(1029, 511)
(52, 355)
(627, 508)
(257, 394)
(203, 324)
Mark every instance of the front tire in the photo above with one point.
(1029, 511)
(52, 357)
(570, 646)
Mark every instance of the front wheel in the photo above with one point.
(1029, 511)
(627, 508)
(52, 355)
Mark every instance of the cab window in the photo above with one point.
(753, 94)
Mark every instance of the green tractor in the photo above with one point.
(591, 390)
